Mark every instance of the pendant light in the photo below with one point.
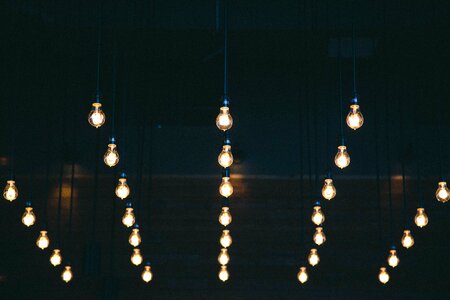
(43, 241)
(421, 218)
(407, 239)
(302, 275)
(354, 118)
(223, 257)
(135, 237)
(225, 216)
(313, 257)
(122, 189)
(317, 216)
(136, 257)
(96, 116)
(10, 192)
(383, 275)
(223, 273)
(319, 236)
(28, 217)
(393, 259)
(128, 218)
(328, 189)
(56, 258)
(225, 239)
(147, 274)
(442, 192)
(67, 274)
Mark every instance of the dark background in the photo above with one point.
(284, 100)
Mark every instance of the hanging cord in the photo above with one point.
(95, 200)
(114, 85)
(355, 95)
(402, 162)
(99, 46)
(341, 111)
(420, 198)
(225, 52)
(388, 167)
(377, 171)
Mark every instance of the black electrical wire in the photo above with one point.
(341, 109)
(99, 46)
(354, 50)
(225, 50)
(95, 198)
(114, 84)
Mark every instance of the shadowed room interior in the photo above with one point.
(157, 67)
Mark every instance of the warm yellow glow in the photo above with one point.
(226, 189)
(225, 216)
(224, 121)
(317, 216)
(393, 259)
(383, 276)
(407, 239)
(96, 115)
(136, 257)
(135, 237)
(302, 275)
(313, 257)
(122, 189)
(328, 190)
(67, 274)
(43, 241)
(223, 273)
(223, 257)
(319, 236)
(128, 218)
(147, 274)
(421, 218)
(225, 158)
(111, 157)
(442, 193)
(225, 239)
(342, 159)
(28, 217)
(355, 118)
(56, 257)
(10, 192)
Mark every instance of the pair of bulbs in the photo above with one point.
(10, 192)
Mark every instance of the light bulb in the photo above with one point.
(383, 276)
(10, 192)
(328, 190)
(407, 239)
(67, 274)
(302, 275)
(421, 218)
(96, 115)
(28, 217)
(225, 158)
(122, 189)
(147, 274)
(342, 159)
(223, 273)
(135, 237)
(313, 257)
(224, 121)
(393, 259)
(442, 193)
(226, 189)
(355, 118)
(56, 258)
(128, 218)
(223, 257)
(111, 157)
(43, 241)
(136, 257)
(317, 216)
(225, 216)
(225, 239)
(319, 236)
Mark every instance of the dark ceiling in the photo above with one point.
(283, 88)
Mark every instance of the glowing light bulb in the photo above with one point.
(225, 158)
(67, 274)
(28, 217)
(224, 121)
(111, 157)
(407, 239)
(442, 193)
(56, 258)
(328, 190)
(383, 276)
(342, 159)
(393, 259)
(223, 257)
(147, 274)
(313, 257)
(135, 237)
(10, 192)
(96, 115)
(223, 273)
(302, 275)
(225, 216)
(122, 188)
(128, 218)
(225, 239)
(421, 218)
(43, 241)
(226, 189)
(136, 257)
(317, 216)
(319, 236)
(355, 118)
